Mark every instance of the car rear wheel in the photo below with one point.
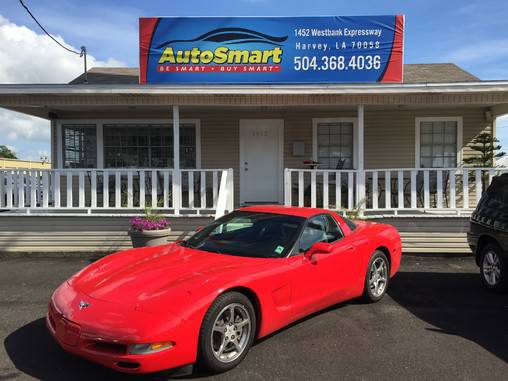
(377, 277)
(227, 332)
(493, 268)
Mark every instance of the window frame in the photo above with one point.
(460, 142)
(317, 121)
(295, 251)
(99, 125)
(87, 126)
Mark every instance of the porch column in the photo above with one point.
(360, 194)
(59, 146)
(100, 145)
(177, 176)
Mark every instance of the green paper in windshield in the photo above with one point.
(279, 249)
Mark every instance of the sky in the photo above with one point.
(472, 34)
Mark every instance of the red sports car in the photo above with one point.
(209, 297)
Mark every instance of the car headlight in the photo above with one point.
(143, 349)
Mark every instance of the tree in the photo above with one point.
(6, 153)
(488, 149)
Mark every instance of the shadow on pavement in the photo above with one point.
(34, 352)
(455, 304)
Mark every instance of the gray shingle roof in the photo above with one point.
(413, 73)
(436, 73)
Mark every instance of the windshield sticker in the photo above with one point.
(279, 249)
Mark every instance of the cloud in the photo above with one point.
(502, 135)
(502, 130)
(485, 57)
(17, 126)
(29, 57)
(105, 27)
(485, 51)
(26, 135)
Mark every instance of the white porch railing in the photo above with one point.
(172, 192)
(422, 189)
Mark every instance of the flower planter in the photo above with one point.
(149, 237)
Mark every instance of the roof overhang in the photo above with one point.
(332, 89)
(59, 99)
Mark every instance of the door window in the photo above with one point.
(322, 228)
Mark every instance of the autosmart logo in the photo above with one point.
(223, 50)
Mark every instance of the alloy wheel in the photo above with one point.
(491, 268)
(231, 332)
(378, 277)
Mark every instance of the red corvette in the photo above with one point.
(208, 298)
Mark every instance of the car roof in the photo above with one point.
(288, 210)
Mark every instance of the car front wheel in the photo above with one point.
(493, 268)
(227, 332)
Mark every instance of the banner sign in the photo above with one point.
(271, 49)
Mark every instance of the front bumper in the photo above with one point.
(99, 338)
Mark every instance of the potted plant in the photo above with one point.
(149, 230)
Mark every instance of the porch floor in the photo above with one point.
(92, 235)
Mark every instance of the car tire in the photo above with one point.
(377, 277)
(223, 343)
(493, 268)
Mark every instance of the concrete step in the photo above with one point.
(434, 242)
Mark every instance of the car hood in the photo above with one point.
(143, 277)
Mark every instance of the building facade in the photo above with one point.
(385, 150)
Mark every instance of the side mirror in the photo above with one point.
(318, 248)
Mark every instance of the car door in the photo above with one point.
(325, 279)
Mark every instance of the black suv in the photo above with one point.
(488, 234)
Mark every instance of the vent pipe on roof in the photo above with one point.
(83, 54)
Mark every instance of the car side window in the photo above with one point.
(333, 232)
(321, 228)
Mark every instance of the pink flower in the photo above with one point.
(142, 223)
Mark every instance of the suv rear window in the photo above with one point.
(493, 206)
(498, 190)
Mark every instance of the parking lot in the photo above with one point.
(435, 323)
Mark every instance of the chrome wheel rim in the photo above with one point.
(231, 332)
(491, 268)
(378, 277)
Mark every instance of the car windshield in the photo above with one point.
(249, 234)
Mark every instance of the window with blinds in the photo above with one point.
(438, 144)
(335, 145)
(79, 145)
(147, 145)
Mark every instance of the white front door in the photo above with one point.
(261, 150)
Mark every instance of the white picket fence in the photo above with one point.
(172, 192)
(423, 189)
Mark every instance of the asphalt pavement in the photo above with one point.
(436, 323)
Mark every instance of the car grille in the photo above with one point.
(107, 347)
